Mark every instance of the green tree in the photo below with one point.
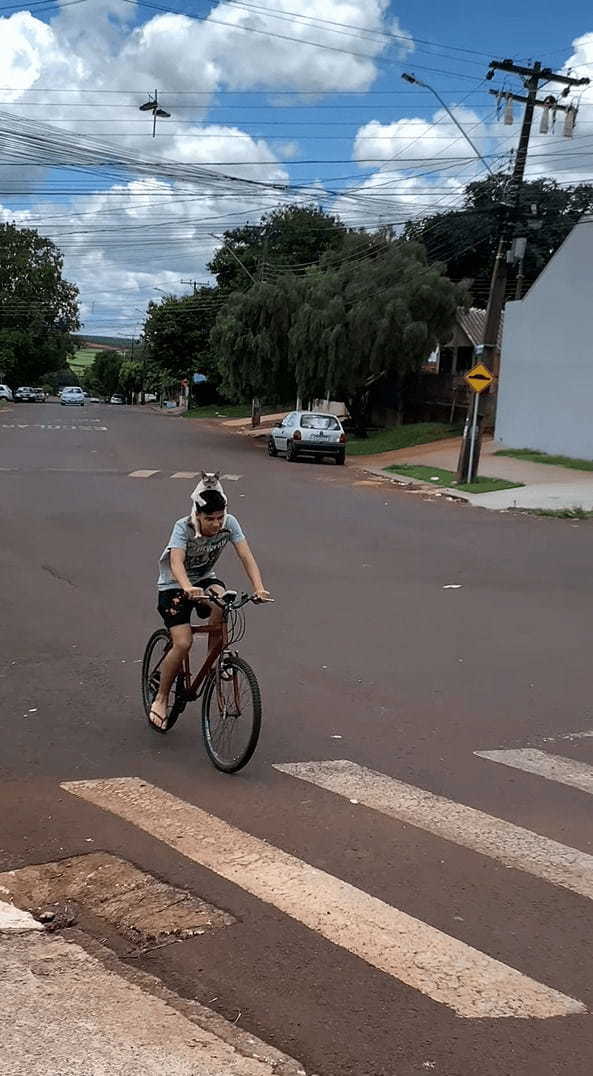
(130, 376)
(38, 308)
(285, 239)
(177, 334)
(251, 340)
(103, 377)
(466, 239)
(371, 322)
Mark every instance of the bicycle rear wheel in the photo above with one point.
(157, 648)
(231, 715)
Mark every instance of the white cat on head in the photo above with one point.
(209, 480)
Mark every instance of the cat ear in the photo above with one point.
(203, 473)
(217, 474)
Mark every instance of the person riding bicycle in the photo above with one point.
(186, 570)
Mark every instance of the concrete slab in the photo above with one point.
(14, 920)
(63, 1010)
(551, 496)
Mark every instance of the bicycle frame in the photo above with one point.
(220, 635)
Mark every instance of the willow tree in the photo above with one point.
(251, 341)
(370, 319)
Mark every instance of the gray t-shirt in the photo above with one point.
(201, 553)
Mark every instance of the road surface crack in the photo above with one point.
(57, 575)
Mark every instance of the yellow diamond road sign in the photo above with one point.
(479, 377)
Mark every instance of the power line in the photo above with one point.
(284, 37)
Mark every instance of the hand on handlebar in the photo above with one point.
(195, 594)
(262, 595)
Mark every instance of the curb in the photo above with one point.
(419, 484)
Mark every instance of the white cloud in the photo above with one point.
(110, 237)
(419, 140)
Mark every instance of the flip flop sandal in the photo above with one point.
(158, 728)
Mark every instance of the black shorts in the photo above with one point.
(176, 609)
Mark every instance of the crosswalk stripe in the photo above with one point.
(566, 771)
(503, 841)
(444, 968)
(142, 474)
(185, 474)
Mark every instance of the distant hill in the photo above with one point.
(108, 343)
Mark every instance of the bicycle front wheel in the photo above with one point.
(231, 715)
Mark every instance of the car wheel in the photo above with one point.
(341, 458)
(271, 446)
(291, 452)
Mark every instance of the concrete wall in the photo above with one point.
(545, 395)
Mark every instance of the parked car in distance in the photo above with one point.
(25, 394)
(72, 396)
(149, 397)
(116, 398)
(94, 399)
(309, 433)
(40, 395)
(5, 392)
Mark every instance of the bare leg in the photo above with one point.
(181, 637)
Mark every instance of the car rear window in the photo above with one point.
(319, 422)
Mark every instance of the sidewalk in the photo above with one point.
(243, 425)
(70, 1007)
(544, 486)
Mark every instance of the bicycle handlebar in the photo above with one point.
(224, 601)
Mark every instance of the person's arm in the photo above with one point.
(251, 569)
(179, 573)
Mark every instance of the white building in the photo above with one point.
(545, 394)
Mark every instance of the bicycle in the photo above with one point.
(227, 684)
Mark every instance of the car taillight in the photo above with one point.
(342, 438)
(297, 435)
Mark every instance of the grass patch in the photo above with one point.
(542, 457)
(438, 476)
(561, 513)
(388, 440)
(82, 359)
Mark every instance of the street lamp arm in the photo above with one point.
(425, 86)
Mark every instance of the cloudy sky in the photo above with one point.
(270, 101)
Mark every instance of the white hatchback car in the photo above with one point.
(5, 392)
(72, 396)
(309, 433)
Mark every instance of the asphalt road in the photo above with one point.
(368, 655)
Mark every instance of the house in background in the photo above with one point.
(545, 392)
(443, 393)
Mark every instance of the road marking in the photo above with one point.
(185, 474)
(503, 841)
(230, 477)
(445, 969)
(46, 426)
(142, 474)
(564, 770)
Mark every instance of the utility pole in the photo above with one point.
(532, 76)
(513, 214)
(193, 282)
